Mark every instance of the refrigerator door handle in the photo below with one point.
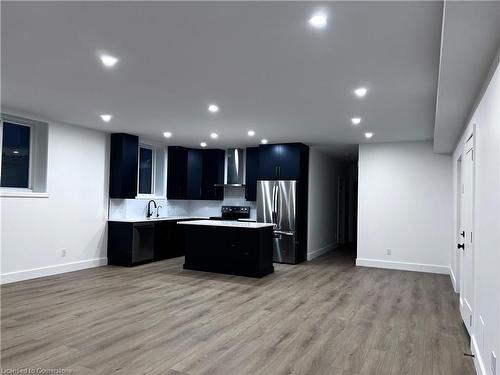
(273, 208)
(278, 206)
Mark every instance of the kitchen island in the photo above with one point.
(231, 247)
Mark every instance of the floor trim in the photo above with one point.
(322, 250)
(478, 360)
(453, 280)
(34, 273)
(404, 266)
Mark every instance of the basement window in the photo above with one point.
(24, 157)
(16, 156)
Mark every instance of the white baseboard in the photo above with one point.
(311, 254)
(404, 266)
(453, 280)
(51, 270)
(478, 360)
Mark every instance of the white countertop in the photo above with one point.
(227, 223)
(145, 220)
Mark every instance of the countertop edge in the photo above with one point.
(227, 224)
(171, 218)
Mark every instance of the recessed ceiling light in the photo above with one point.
(251, 133)
(108, 61)
(214, 136)
(15, 152)
(106, 118)
(361, 91)
(368, 135)
(203, 144)
(264, 141)
(356, 120)
(167, 134)
(213, 108)
(318, 20)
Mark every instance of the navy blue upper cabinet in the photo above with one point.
(192, 173)
(268, 162)
(123, 165)
(177, 172)
(251, 173)
(287, 161)
(213, 174)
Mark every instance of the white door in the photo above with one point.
(466, 247)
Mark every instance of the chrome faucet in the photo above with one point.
(150, 212)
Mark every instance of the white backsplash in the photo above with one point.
(137, 208)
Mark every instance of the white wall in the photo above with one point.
(486, 119)
(72, 216)
(404, 204)
(322, 203)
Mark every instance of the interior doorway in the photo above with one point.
(458, 229)
(466, 235)
(347, 210)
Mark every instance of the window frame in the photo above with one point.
(153, 170)
(28, 189)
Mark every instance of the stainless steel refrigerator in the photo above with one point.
(277, 204)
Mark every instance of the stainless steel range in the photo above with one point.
(233, 213)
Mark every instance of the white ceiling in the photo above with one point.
(260, 62)
(471, 38)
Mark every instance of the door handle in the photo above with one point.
(461, 246)
(277, 204)
(463, 233)
(273, 209)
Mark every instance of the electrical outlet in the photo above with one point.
(63, 252)
(493, 363)
(389, 251)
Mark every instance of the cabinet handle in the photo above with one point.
(279, 171)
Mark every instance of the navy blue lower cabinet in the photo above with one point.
(130, 244)
(134, 243)
(234, 251)
(169, 240)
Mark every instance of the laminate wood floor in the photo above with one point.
(321, 317)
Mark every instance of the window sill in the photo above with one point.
(22, 194)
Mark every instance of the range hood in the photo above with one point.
(235, 168)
